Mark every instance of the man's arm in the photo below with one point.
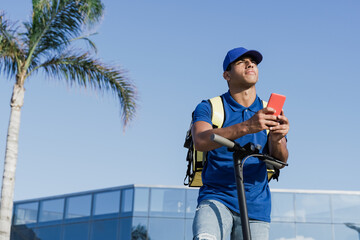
(202, 131)
(277, 140)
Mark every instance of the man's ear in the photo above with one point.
(226, 76)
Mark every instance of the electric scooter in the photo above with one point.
(241, 153)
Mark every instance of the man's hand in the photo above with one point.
(262, 120)
(279, 131)
(277, 140)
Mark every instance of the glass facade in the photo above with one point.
(155, 212)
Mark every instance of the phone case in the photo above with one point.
(276, 102)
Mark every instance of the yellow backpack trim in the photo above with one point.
(199, 158)
(217, 109)
(264, 106)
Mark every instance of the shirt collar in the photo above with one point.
(235, 106)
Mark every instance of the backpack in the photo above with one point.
(196, 159)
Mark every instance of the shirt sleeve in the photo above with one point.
(203, 112)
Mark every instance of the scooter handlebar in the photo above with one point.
(231, 145)
(275, 164)
(222, 141)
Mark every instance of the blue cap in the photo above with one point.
(235, 53)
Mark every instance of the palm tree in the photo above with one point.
(139, 233)
(46, 44)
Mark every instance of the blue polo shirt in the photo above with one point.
(218, 173)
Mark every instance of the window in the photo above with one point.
(127, 200)
(346, 208)
(26, 213)
(167, 202)
(313, 231)
(125, 228)
(139, 229)
(51, 210)
(48, 233)
(79, 231)
(188, 229)
(104, 230)
(346, 231)
(313, 208)
(106, 202)
(141, 202)
(78, 206)
(22, 232)
(175, 228)
(282, 231)
(191, 202)
(282, 207)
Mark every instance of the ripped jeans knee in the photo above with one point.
(212, 221)
(205, 236)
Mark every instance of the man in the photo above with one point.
(217, 215)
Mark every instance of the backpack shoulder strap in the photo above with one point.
(217, 111)
(196, 159)
(264, 106)
(265, 103)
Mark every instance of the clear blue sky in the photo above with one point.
(72, 140)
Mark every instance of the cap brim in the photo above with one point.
(255, 55)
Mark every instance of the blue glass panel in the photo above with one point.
(282, 231)
(139, 229)
(22, 232)
(167, 202)
(166, 228)
(191, 202)
(78, 231)
(188, 229)
(141, 202)
(125, 228)
(127, 200)
(282, 207)
(51, 210)
(313, 231)
(26, 213)
(313, 208)
(346, 208)
(106, 202)
(78, 206)
(348, 231)
(48, 233)
(104, 230)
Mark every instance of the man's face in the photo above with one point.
(244, 73)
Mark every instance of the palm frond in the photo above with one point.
(93, 10)
(52, 26)
(88, 41)
(55, 23)
(11, 54)
(84, 71)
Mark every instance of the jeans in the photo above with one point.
(214, 221)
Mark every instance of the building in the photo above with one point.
(140, 212)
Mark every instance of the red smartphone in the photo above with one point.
(276, 102)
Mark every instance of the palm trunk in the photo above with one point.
(11, 155)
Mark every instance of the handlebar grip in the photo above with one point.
(223, 141)
(275, 164)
